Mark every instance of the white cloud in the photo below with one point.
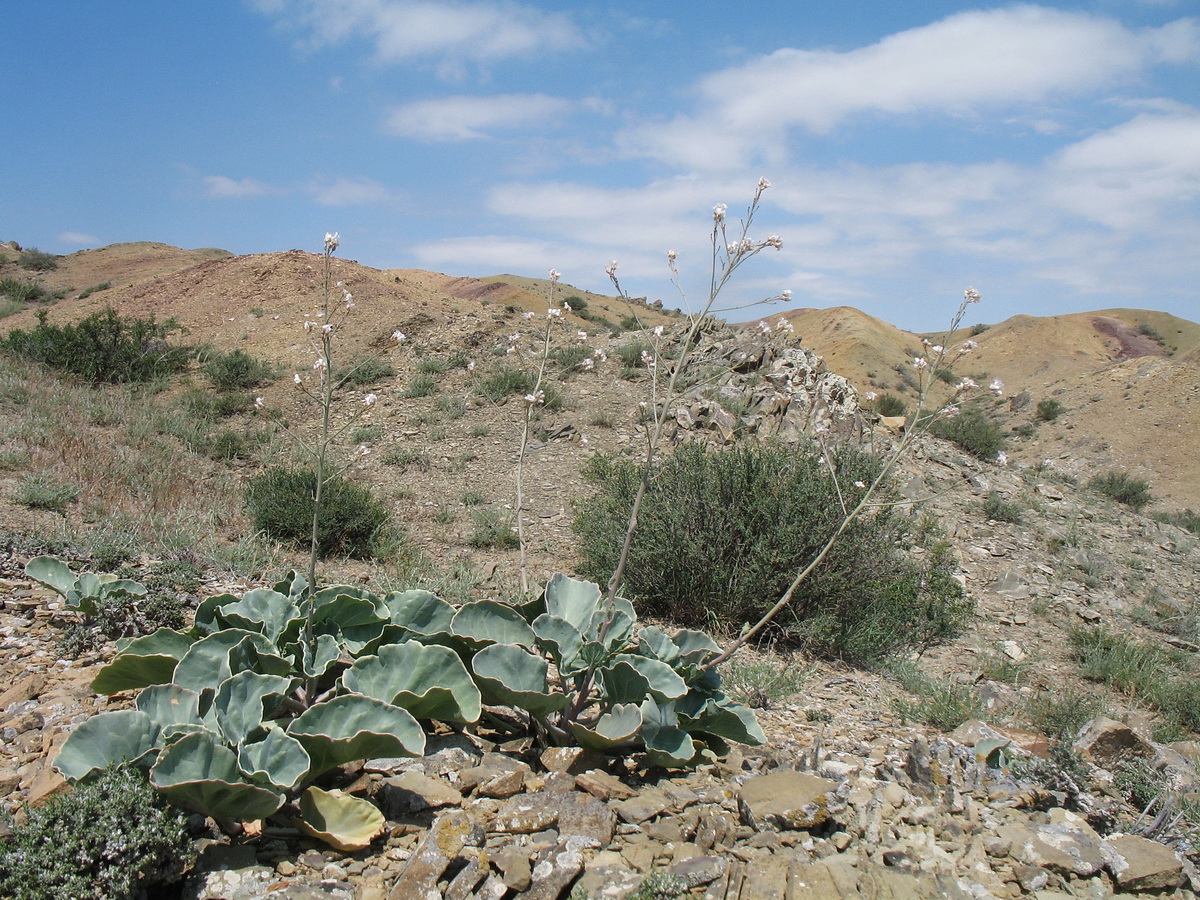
(78, 238)
(463, 118)
(964, 65)
(226, 187)
(349, 192)
(405, 30)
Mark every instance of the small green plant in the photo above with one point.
(941, 703)
(432, 365)
(420, 386)
(996, 507)
(35, 260)
(972, 431)
(12, 458)
(890, 405)
(503, 383)
(352, 521)
(109, 839)
(492, 529)
(40, 491)
(1187, 519)
(366, 434)
(22, 293)
(117, 616)
(237, 370)
(634, 354)
(480, 430)
(406, 457)
(473, 498)
(1122, 487)
(1049, 410)
(95, 288)
(660, 886)
(1025, 430)
(1061, 714)
(452, 407)
(764, 683)
(362, 372)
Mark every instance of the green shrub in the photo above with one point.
(404, 457)
(36, 260)
(567, 359)
(1123, 488)
(235, 443)
(630, 353)
(102, 347)
(10, 307)
(995, 507)
(353, 522)
(1060, 715)
(973, 432)
(237, 370)
(109, 839)
(1188, 520)
(364, 372)
(722, 534)
(95, 288)
(503, 383)
(420, 386)
(942, 703)
(1049, 410)
(43, 492)
(23, 291)
(890, 405)
(366, 434)
(118, 617)
(493, 529)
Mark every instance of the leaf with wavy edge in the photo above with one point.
(664, 682)
(487, 622)
(563, 640)
(721, 717)
(616, 726)
(510, 675)
(126, 735)
(431, 682)
(169, 707)
(343, 822)
(572, 600)
(353, 727)
(244, 700)
(278, 759)
(150, 659)
(214, 658)
(667, 744)
(419, 612)
(199, 774)
(269, 612)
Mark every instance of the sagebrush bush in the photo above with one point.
(22, 291)
(1122, 487)
(890, 405)
(37, 260)
(364, 371)
(996, 507)
(104, 347)
(504, 382)
(973, 432)
(109, 839)
(353, 522)
(237, 370)
(721, 535)
(119, 617)
(1049, 410)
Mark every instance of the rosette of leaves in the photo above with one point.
(241, 713)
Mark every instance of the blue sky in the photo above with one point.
(1048, 155)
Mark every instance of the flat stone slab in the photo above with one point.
(1139, 864)
(785, 800)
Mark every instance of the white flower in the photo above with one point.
(968, 346)
(1002, 458)
(920, 363)
(362, 450)
(528, 316)
(582, 335)
(719, 212)
(553, 313)
(859, 484)
(554, 276)
(369, 400)
(786, 295)
(588, 364)
(327, 328)
(996, 387)
(658, 330)
(398, 337)
(309, 326)
(331, 241)
(296, 378)
(583, 439)
(513, 338)
(763, 184)
(510, 351)
(965, 385)
(970, 295)
(321, 363)
(259, 403)
(537, 398)
(600, 355)
(774, 241)
(611, 269)
(671, 256)
(870, 395)
(471, 366)
(938, 349)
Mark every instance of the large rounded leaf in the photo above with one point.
(667, 744)
(488, 622)
(563, 641)
(52, 572)
(278, 760)
(269, 612)
(431, 682)
(214, 658)
(622, 683)
(353, 727)
(351, 615)
(173, 709)
(512, 676)
(126, 735)
(723, 718)
(665, 683)
(345, 823)
(574, 601)
(147, 660)
(617, 726)
(419, 611)
(316, 663)
(198, 774)
(245, 700)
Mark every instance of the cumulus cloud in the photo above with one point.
(463, 118)
(408, 30)
(967, 64)
(226, 187)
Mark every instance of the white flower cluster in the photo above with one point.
(537, 398)
(331, 241)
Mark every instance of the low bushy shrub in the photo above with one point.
(1123, 488)
(504, 382)
(973, 432)
(353, 522)
(364, 372)
(722, 534)
(237, 370)
(22, 291)
(1187, 519)
(1049, 410)
(117, 617)
(36, 260)
(109, 839)
(996, 507)
(104, 347)
(890, 405)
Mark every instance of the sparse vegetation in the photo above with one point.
(503, 383)
(996, 507)
(1049, 410)
(890, 405)
(366, 371)
(940, 702)
(41, 491)
(95, 288)
(493, 529)
(972, 431)
(1188, 520)
(1122, 487)
(36, 260)
(420, 386)
(236, 370)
